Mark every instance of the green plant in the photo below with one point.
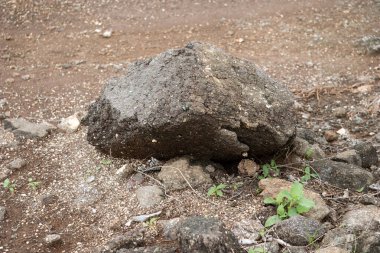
(270, 169)
(216, 190)
(152, 222)
(308, 175)
(288, 204)
(258, 250)
(309, 153)
(8, 185)
(33, 184)
(236, 186)
(106, 161)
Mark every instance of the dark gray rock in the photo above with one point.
(342, 174)
(369, 242)
(169, 228)
(367, 153)
(149, 196)
(299, 230)
(349, 156)
(196, 101)
(150, 249)
(122, 242)
(206, 235)
(22, 128)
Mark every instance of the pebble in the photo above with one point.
(149, 196)
(9, 80)
(2, 213)
(53, 239)
(331, 136)
(340, 112)
(107, 34)
(16, 164)
(248, 168)
(69, 124)
(25, 77)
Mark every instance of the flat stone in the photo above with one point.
(16, 164)
(343, 175)
(362, 218)
(349, 156)
(26, 129)
(206, 235)
(149, 196)
(248, 230)
(299, 230)
(272, 186)
(175, 172)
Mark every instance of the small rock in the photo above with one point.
(23, 128)
(107, 33)
(206, 235)
(248, 230)
(367, 153)
(155, 249)
(307, 135)
(299, 230)
(69, 124)
(339, 237)
(331, 250)
(331, 136)
(272, 186)
(267, 247)
(175, 172)
(349, 156)
(369, 242)
(25, 77)
(125, 171)
(122, 241)
(342, 174)
(303, 149)
(48, 199)
(369, 200)
(210, 169)
(370, 44)
(248, 168)
(2, 213)
(53, 239)
(3, 103)
(9, 80)
(340, 112)
(363, 218)
(295, 249)
(16, 164)
(135, 180)
(4, 173)
(169, 228)
(149, 196)
(90, 179)
(343, 132)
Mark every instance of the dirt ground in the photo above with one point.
(54, 61)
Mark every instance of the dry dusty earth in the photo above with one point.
(54, 61)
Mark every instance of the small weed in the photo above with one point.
(8, 185)
(309, 153)
(236, 186)
(288, 204)
(308, 175)
(258, 250)
(151, 223)
(360, 189)
(33, 184)
(216, 190)
(106, 162)
(270, 169)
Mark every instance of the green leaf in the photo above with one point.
(360, 189)
(211, 191)
(309, 153)
(281, 211)
(219, 193)
(266, 169)
(272, 220)
(11, 189)
(281, 195)
(106, 161)
(221, 186)
(304, 205)
(296, 190)
(292, 212)
(270, 201)
(6, 183)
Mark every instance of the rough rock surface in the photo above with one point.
(348, 156)
(2, 213)
(149, 195)
(196, 101)
(175, 172)
(268, 247)
(248, 167)
(16, 164)
(339, 237)
(331, 250)
(25, 129)
(150, 249)
(70, 124)
(272, 186)
(362, 218)
(299, 230)
(248, 230)
(206, 235)
(342, 174)
(367, 153)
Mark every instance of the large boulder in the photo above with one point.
(196, 101)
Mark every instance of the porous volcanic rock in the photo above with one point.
(196, 101)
